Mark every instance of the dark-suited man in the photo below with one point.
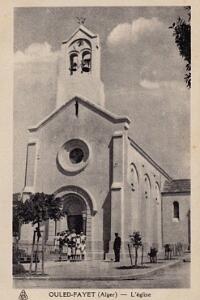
(116, 247)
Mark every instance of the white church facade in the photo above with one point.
(84, 154)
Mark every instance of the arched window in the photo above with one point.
(157, 192)
(133, 177)
(86, 61)
(73, 62)
(147, 187)
(176, 210)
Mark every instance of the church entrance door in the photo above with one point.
(75, 222)
(76, 213)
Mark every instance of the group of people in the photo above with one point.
(71, 245)
(153, 255)
(173, 249)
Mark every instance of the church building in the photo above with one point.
(84, 154)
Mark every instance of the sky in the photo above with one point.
(141, 68)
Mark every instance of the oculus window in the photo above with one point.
(76, 155)
(73, 157)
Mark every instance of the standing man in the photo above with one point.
(116, 247)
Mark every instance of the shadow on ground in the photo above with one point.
(131, 267)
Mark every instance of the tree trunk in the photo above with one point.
(55, 227)
(129, 250)
(32, 252)
(142, 255)
(37, 245)
(136, 256)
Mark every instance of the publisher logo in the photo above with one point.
(23, 295)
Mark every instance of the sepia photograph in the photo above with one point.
(101, 148)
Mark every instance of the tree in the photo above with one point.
(136, 241)
(16, 230)
(182, 33)
(15, 222)
(37, 209)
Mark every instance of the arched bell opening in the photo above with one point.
(86, 61)
(73, 62)
(80, 56)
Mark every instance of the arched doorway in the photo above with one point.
(76, 212)
(80, 207)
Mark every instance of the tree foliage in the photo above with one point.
(38, 208)
(136, 241)
(182, 33)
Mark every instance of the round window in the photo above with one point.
(73, 156)
(76, 155)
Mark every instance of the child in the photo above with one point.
(83, 250)
(83, 245)
(56, 242)
(65, 243)
(78, 247)
(73, 244)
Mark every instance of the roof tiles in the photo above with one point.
(177, 186)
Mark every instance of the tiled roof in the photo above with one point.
(177, 186)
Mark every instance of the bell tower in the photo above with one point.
(79, 68)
